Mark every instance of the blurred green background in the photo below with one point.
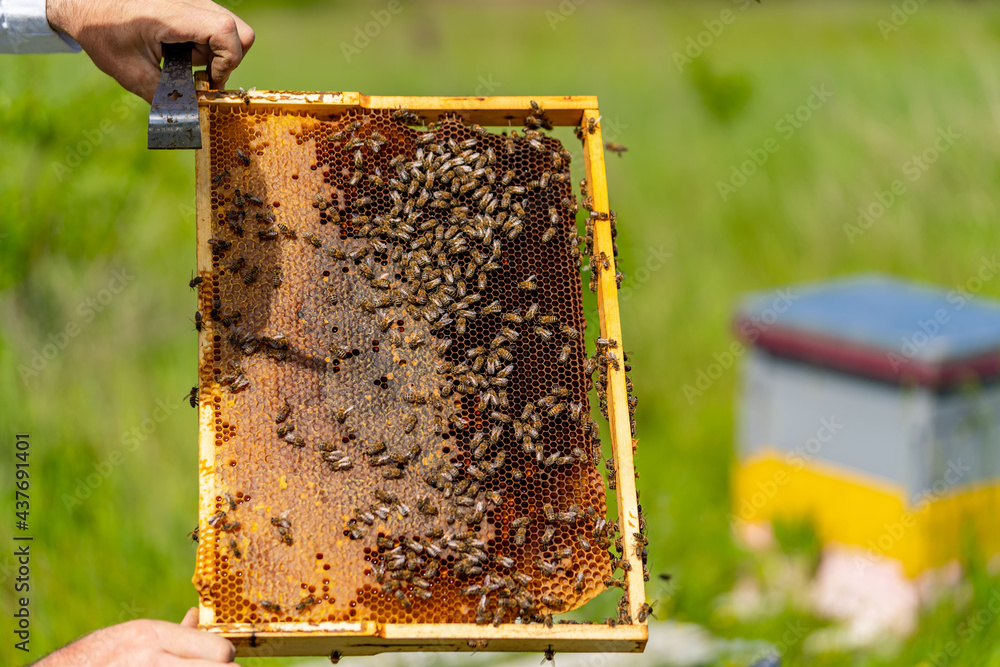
(82, 202)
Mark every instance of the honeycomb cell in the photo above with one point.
(396, 373)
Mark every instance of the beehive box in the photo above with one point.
(396, 449)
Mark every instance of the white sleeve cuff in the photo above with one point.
(24, 29)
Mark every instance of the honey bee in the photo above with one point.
(294, 440)
(199, 323)
(305, 603)
(192, 396)
(287, 231)
(611, 582)
(424, 506)
(313, 240)
(270, 606)
(530, 313)
(552, 601)
(403, 600)
(547, 535)
(548, 569)
(235, 549)
(218, 178)
(612, 359)
(504, 561)
(564, 354)
(409, 423)
(619, 149)
(243, 157)
(392, 473)
(592, 124)
(267, 235)
(283, 413)
(219, 245)
(341, 414)
(239, 384)
(529, 285)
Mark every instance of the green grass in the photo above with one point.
(124, 546)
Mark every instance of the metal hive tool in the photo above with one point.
(396, 448)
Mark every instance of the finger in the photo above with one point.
(185, 642)
(141, 80)
(190, 619)
(217, 29)
(135, 74)
(247, 34)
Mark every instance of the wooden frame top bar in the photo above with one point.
(566, 110)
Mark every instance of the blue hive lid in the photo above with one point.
(877, 324)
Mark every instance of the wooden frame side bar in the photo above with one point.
(611, 328)
(206, 415)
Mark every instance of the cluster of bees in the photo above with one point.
(453, 210)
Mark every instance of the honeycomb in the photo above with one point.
(394, 364)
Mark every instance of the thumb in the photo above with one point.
(190, 618)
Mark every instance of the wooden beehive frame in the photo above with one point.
(364, 638)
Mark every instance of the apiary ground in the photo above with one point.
(350, 482)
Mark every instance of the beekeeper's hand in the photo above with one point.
(123, 37)
(145, 643)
